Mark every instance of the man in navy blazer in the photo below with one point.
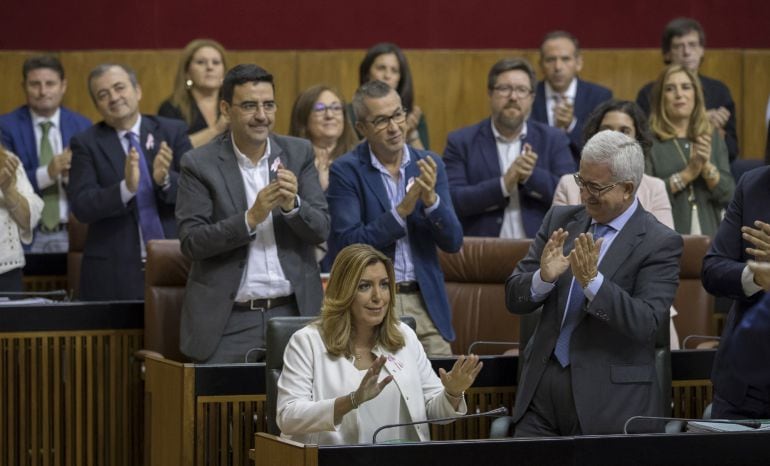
(21, 131)
(743, 235)
(684, 43)
(107, 179)
(395, 198)
(504, 170)
(562, 99)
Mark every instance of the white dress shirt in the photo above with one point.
(41, 174)
(508, 150)
(12, 234)
(551, 96)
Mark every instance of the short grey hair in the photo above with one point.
(623, 155)
(370, 90)
(105, 67)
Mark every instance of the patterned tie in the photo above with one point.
(149, 220)
(574, 304)
(50, 217)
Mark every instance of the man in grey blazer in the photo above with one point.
(250, 211)
(605, 274)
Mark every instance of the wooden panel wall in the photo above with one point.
(450, 85)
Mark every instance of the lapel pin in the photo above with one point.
(150, 145)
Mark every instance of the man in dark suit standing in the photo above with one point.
(743, 235)
(123, 184)
(39, 134)
(250, 212)
(684, 43)
(563, 100)
(504, 170)
(605, 274)
(394, 197)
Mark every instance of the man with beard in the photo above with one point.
(503, 171)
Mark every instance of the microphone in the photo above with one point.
(498, 412)
(750, 423)
(32, 294)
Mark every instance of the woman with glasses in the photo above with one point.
(625, 117)
(358, 367)
(319, 114)
(387, 63)
(688, 153)
(195, 98)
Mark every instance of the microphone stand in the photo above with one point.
(498, 412)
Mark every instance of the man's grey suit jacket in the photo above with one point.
(612, 349)
(210, 212)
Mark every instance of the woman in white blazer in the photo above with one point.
(626, 117)
(358, 367)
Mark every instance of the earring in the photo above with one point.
(188, 84)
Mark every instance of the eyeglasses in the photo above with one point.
(321, 109)
(506, 91)
(593, 189)
(382, 122)
(250, 108)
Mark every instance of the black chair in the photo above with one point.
(279, 331)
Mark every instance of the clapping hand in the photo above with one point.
(370, 387)
(759, 238)
(761, 272)
(553, 262)
(584, 258)
(161, 163)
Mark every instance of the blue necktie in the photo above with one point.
(574, 304)
(149, 220)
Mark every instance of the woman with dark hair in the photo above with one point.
(688, 153)
(386, 62)
(335, 387)
(625, 117)
(319, 115)
(195, 98)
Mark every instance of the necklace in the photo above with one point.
(691, 194)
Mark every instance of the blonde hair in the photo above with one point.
(180, 96)
(335, 324)
(660, 123)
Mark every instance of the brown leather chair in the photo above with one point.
(164, 286)
(475, 283)
(694, 305)
(77, 233)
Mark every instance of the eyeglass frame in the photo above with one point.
(521, 92)
(382, 122)
(595, 192)
(257, 105)
(321, 109)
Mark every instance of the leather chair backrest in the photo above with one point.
(279, 332)
(165, 278)
(475, 283)
(694, 305)
(77, 233)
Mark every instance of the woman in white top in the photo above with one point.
(20, 210)
(358, 367)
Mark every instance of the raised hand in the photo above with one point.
(584, 258)
(131, 170)
(287, 188)
(461, 376)
(370, 387)
(267, 199)
(718, 116)
(761, 274)
(161, 163)
(60, 164)
(427, 180)
(563, 113)
(553, 262)
(759, 238)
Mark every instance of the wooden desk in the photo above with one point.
(70, 390)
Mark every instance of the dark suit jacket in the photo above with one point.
(749, 348)
(717, 94)
(361, 213)
(18, 136)
(112, 264)
(473, 169)
(210, 210)
(612, 349)
(722, 269)
(587, 98)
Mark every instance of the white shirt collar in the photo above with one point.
(37, 119)
(246, 162)
(500, 138)
(570, 93)
(136, 129)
